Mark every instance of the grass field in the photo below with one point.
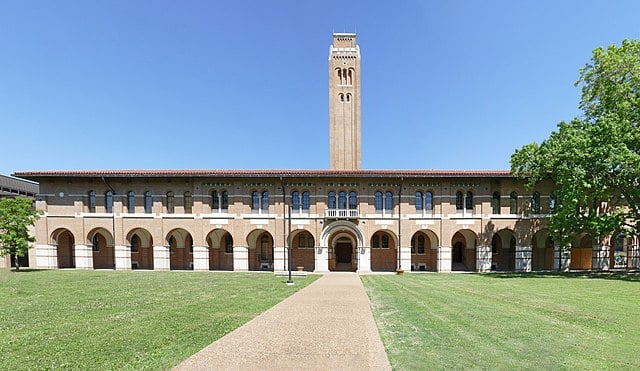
(508, 321)
(72, 319)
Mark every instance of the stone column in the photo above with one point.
(444, 259)
(364, 259)
(200, 258)
(566, 257)
(600, 258)
(523, 258)
(405, 258)
(123, 257)
(280, 259)
(240, 258)
(483, 258)
(84, 257)
(322, 259)
(47, 256)
(161, 259)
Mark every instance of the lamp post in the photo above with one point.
(289, 281)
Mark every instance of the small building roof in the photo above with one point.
(10, 186)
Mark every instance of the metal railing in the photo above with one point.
(342, 213)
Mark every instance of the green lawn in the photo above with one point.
(73, 319)
(508, 321)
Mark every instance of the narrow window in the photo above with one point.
(348, 97)
(536, 202)
(215, 201)
(469, 201)
(170, 204)
(413, 245)
(341, 97)
(108, 201)
(495, 203)
(92, 202)
(552, 203)
(419, 205)
(421, 244)
(135, 243)
(95, 242)
(385, 241)
(225, 200)
(388, 201)
(302, 240)
(353, 200)
(378, 201)
(375, 241)
(228, 244)
(188, 203)
(295, 201)
(331, 202)
(342, 200)
(459, 200)
(131, 202)
(305, 201)
(264, 247)
(147, 202)
(265, 201)
(255, 201)
(513, 203)
(428, 201)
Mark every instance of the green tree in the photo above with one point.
(594, 160)
(16, 215)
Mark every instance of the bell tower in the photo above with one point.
(344, 103)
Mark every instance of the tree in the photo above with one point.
(594, 160)
(16, 215)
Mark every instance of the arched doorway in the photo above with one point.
(260, 250)
(503, 251)
(343, 255)
(303, 251)
(423, 256)
(220, 250)
(141, 244)
(542, 251)
(64, 241)
(582, 253)
(344, 236)
(180, 250)
(463, 254)
(384, 255)
(101, 243)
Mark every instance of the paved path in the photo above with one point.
(328, 325)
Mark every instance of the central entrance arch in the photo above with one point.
(342, 238)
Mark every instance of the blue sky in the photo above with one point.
(243, 84)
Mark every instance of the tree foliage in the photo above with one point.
(16, 215)
(594, 160)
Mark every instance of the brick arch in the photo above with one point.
(219, 257)
(503, 250)
(261, 246)
(64, 241)
(100, 240)
(180, 243)
(303, 249)
(463, 251)
(383, 258)
(426, 260)
(141, 255)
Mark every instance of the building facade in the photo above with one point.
(341, 219)
(14, 187)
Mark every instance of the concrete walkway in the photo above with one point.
(328, 325)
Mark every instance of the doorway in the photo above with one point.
(344, 256)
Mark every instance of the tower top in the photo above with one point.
(344, 40)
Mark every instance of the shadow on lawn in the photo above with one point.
(619, 276)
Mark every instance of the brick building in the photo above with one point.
(344, 218)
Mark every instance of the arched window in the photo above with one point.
(419, 204)
(305, 201)
(339, 71)
(342, 200)
(188, 203)
(228, 244)
(388, 201)
(215, 201)
(348, 97)
(264, 247)
(420, 244)
(131, 202)
(353, 200)
(255, 201)
(295, 200)
(350, 76)
(459, 200)
(224, 200)
(469, 201)
(495, 203)
(513, 203)
(552, 203)
(378, 201)
(92, 202)
(375, 241)
(535, 207)
(331, 202)
(428, 202)
(341, 95)
(265, 201)
(147, 202)
(108, 201)
(135, 243)
(385, 241)
(95, 242)
(170, 204)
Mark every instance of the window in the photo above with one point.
(305, 201)
(188, 203)
(135, 243)
(342, 200)
(92, 202)
(228, 244)
(459, 200)
(385, 241)
(428, 202)
(255, 201)
(375, 241)
(469, 201)
(495, 203)
(552, 203)
(95, 242)
(170, 204)
(295, 201)
(353, 200)
(225, 200)
(331, 202)
(108, 201)
(420, 244)
(147, 202)
(513, 203)
(265, 201)
(535, 207)
(264, 247)
(378, 201)
(419, 205)
(215, 201)
(388, 201)
(380, 240)
(131, 202)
